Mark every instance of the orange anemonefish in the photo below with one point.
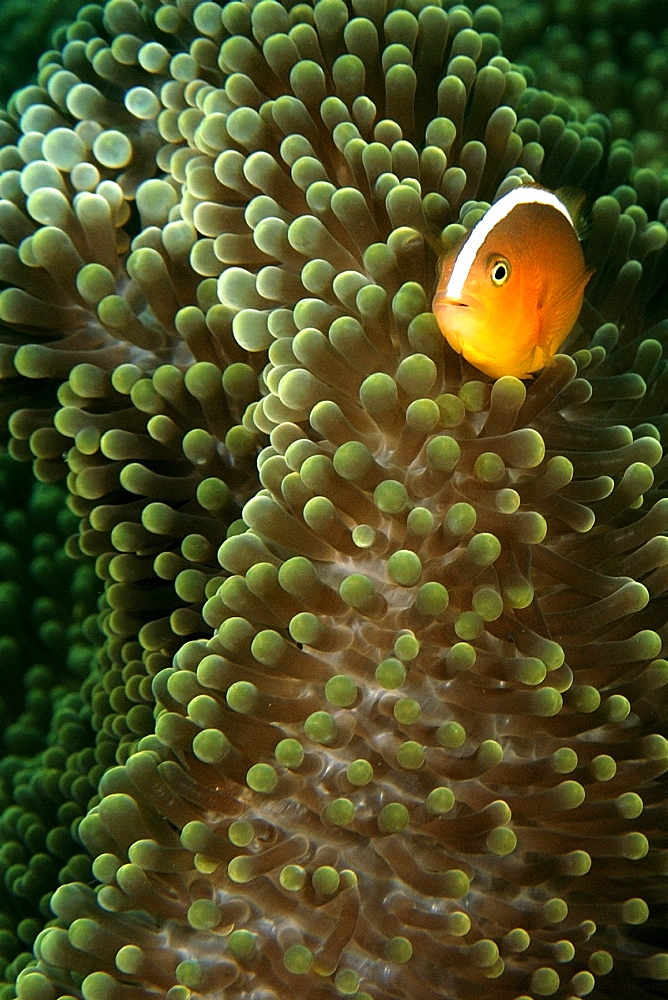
(508, 296)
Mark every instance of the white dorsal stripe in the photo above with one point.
(497, 212)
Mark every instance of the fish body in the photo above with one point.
(509, 295)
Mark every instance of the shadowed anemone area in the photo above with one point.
(382, 634)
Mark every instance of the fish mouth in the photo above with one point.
(441, 300)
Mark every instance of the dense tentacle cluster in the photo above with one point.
(49, 772)
(603, 55)
(440, 800)
(407, 734)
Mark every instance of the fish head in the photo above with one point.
(487, 320)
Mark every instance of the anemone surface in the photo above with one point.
(380, 708)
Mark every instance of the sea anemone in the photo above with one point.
(383, 634)
(602, 56)
(49, 771)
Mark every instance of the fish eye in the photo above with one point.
(499, 270)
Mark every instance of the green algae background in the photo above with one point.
(55, 745)
(27, 29)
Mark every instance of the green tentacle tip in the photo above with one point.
(469, 625)
(404, 568)
(546, 702)
(440, 800)
(564, 760)
(240, 833)
(390, 496)
(552, 654)
(398, 949)
(420, 522)
(555, 910)
(292, 877)
(410, 755)
(33, 985)
(443, 453)
(432, 599)
(353, 461)
(129, 959)
(484, 549)
(601, 963)
(364, 536)
(346, 982)
(450, 735)
(582, 983)
(451, 409)
(530, 670)
(242, 696)
(406, 647)
(635, 846)
(242, 944)
(501, 841)
(545, 982)
(321, 728)
(240, 442)
(484, 953)
(358, 592)
(635, 911)
(575, 863)
(390, 673)
(488, 603)
(297, 576)
(298, 959)
(474, 395)
(393, 818)
(203, 915)
(305, 628)
(406, 711)
(507, 501)
(460, 519)
(289, 753)
(326, 880)
(489, 467)
(211, 746)
(359, 773)
(584, 698)
(240, 869)
(461, 656)
(188, 973)
(564, 951)
(262, 778)
(422, 415)
(341, 691)
(617, 707)
(416, 374)
(240, 382)
(340, 812)
(604, 767)
(517, 940)
(378, 394)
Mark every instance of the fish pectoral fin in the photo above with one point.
(557, 310)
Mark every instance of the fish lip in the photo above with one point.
(441, 300)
